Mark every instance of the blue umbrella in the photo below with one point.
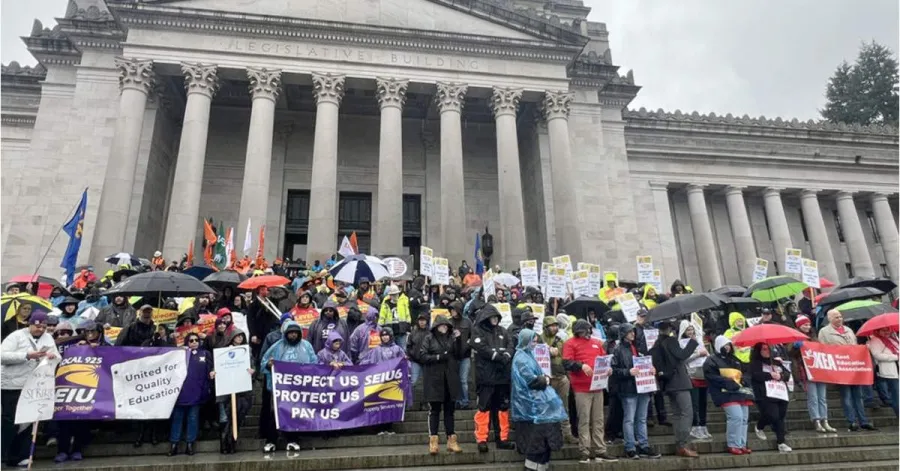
(355, 267)
(199, 271)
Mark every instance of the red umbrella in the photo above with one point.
(265, 280)
(767, 333)
(825, 283)
(45, 283)
(889, 320)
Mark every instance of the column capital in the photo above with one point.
(735, 189)
(264, 83)
(809, 193)
(328, 88)
(199, 78)
(505, 100)
(844, 195)
(695, 188)
(450, 96)
(658, 185)
(135, 74)
(391, 92)
(772, 191)
(557, 104)
(879, 196)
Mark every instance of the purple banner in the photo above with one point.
(105, 383)
(310, 398)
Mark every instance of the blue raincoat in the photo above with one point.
(538, 406)
(300, 352)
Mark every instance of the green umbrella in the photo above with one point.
(774, 288)
(863, 309)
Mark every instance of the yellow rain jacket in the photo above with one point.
(649, 301)
(608, 294)
(742, 353)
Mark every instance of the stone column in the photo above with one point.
(323, 197)
(667, 245)
(704, 243)
(201, 83)
(387, 232)
(853, 235)
(568, 232)
(513, 248)
(450, 100)
(778, 226)
(136, 81)
(264, 88)
(742, 233)
(887, 231)
(818, 236)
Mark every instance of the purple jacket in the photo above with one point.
(196, 385)
(359, 339)
(328, 321)
(382, 353)
(328, 355)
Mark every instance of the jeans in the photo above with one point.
(415, 372)
(464, 367)
(851, 401)
(193, 423)
(892, 386)
(634, 425)
(816, 401)
(682, 416)
(736, 419)
(401, 341)
(699, 401)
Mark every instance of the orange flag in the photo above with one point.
(210, 236)
(353, 243)
(262, 242)
(190, 254)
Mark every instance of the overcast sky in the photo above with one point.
(759, 57)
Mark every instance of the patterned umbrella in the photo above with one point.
(124, 258)
(9, 304)
(355, 267)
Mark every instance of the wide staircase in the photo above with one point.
(112, 448)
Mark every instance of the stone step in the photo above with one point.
(810, 449)
(880, 465)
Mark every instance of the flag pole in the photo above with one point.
(41, 261)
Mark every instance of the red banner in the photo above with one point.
(837, 364)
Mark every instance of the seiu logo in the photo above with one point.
(75, 395)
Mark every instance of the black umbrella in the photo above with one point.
(883, 284)
(162, 284)
(117, 276)
(741, 301)
(849, 294)
(686, 304)
(580, 306)
(223, 279)
(730, 290)
(863, 309)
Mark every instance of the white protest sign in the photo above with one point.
(657, 280)
(528, 273)
(538, 311)
(232, 364)
(602, 370)
(239, 319)
(776, 390)
(598, 335)
(563, 261)
(487, 284)
(556, 283)
(545, 275)
(645, 379)
(441, 271)
(505, 314)
(629, 306)
(650, 335)
(645, 268)
(595, 279)
(696, 362)
(811, 273)
(426, 261)
(147, 388)
(580, 284)
(761, 270)
(39, 394)
(793, 261)
(542, 355)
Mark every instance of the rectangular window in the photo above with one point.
(871, 218)
(885, 272)
(355, 215)
(803, 226)
(837, 225)
(849, 268)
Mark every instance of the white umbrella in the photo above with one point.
(124, 258)
(506, 279)
(353, 268)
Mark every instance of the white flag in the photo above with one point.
(229, 248)
(346, 248)
(248, 239)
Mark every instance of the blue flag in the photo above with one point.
(75, 229)
(479, 260)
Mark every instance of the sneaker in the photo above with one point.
(706, 434)
(51, 442)
(819, 427)
(293, 446)
(269, 448)
(868, 427)
(760, 434)
(24, 463)
(77, 456)
(632, 455)
(585, 460)
(828, 428)
(383, 432)
(696, 433)
(60, 458)
(648, 452)
(605, 458)
(783, 448)
(853, 428)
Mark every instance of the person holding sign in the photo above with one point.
(387, 350)
(366, 336)
(243, 401)
(579, 354)
(670, 358)
(193, 394)
(559, 381)
(729, 389)
(493, 354)
(769, 377)
(836, 333)
(634, 404)
(439, 354)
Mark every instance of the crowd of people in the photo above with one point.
(324, 321)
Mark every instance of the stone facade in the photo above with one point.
(510, 116)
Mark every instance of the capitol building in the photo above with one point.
(413, 122)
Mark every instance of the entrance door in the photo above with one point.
(355, 215)
(412, 225)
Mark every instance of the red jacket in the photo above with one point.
(583, 351)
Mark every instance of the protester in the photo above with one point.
(243, 401)
(578, 357)
(260, 320)
(885, 348)
(634, 405)
(395, 313)
(729, 389)
(17, 321)
(413, 346)
(836, 333)
(68, 307)
(220, 335)
(526, 321)
(678, 288)
(816, 393)
(736, 323)
(193, 394)
(202, 307)
(365, 336)
(388, 350)
(139, 330)
(117, 314)
(439, 355)
(772, 411)
(699, 387)
(492, 345)
(333, 355)
(536, 409)
(463, 325)
(670, 359)
(291, 348)
(559, 381)
(329, 320)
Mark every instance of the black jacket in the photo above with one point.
(418, 298)
(493, 347)
(723, 390)
(135, 334)
(622, 363)
(758, 377)
(440, 365)
(464, 326)
(670, 361)
(414, 343)
(260, 321)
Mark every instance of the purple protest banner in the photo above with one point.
(106, 383)
(310, 398)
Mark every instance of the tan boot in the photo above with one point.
(433, 446)
(453, 444)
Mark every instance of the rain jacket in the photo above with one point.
(195, 389)
(414, 342)
(328, 321)
(531, 398)
(742, 353)
(463, 325)
(299, 352)
(328, 355)
(608, 294)
(366, 336)
(670, 361)
(723, 374)
(17, 367)
(117, 316)
(493, 349)
(439, 355)
(397, 317)
(556, 361)
(885, 358)
(758, 377)
(581, 351)
(383, 352)
(75, 318)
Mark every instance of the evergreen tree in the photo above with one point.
(866, 92)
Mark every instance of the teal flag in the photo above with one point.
(220, 254)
